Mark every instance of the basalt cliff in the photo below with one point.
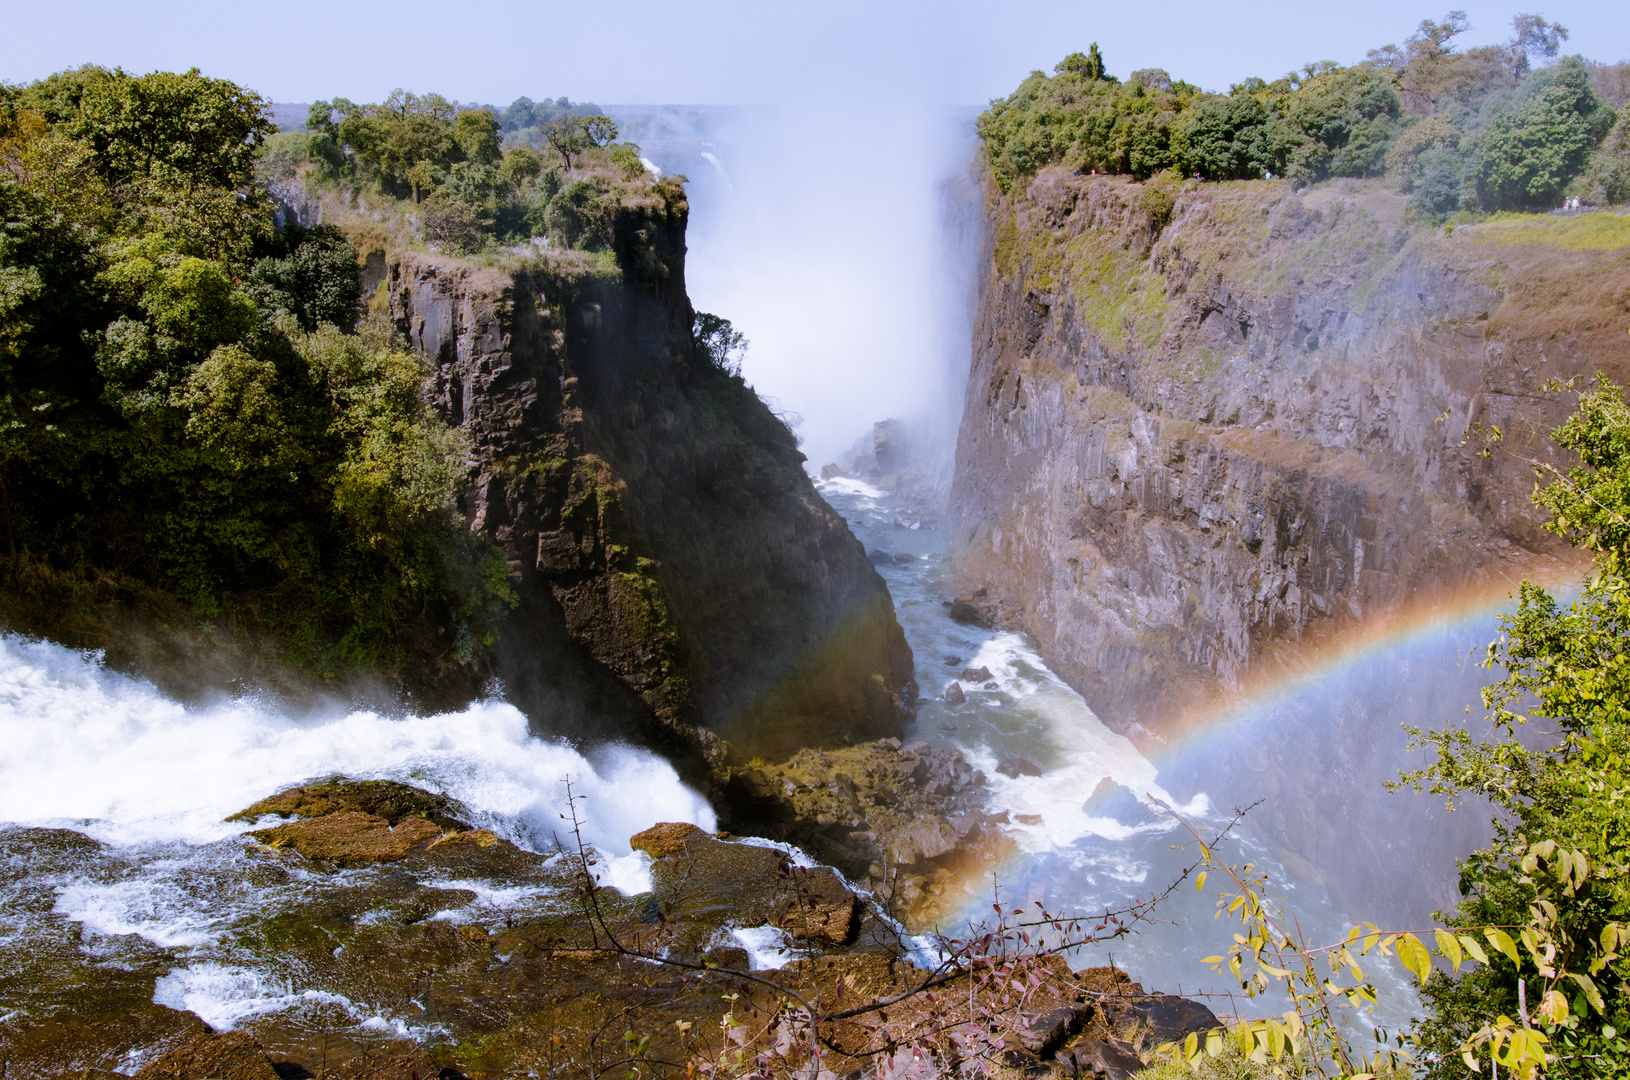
(1207, 419)
(1215, 431)
(678, 580)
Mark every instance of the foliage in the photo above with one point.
(1607, 180)
(1474, 129)
(570, 136)
(185, 398)
(1528, 154)
(1557, 866)
(718, 343)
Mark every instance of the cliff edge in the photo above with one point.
(1204, 420)
(678, 579)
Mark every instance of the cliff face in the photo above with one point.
(679, 580)
(1208, 420)
(1213, 432)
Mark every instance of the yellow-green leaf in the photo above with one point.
(1449, 947)
(1588, 985)
(1413, 955)
(1502, 941)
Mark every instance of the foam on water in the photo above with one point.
(87, 748)
(224, 996)
(767, 946)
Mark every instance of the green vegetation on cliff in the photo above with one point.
(1476, 130)
(561, 180)
(188, 409)
(1567, 666)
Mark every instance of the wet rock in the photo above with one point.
(879, 557)
(1028, 819)
(953, 694)
(402, 1059)
(963, 610)
(1109, 1059)
(977, 674)
(233, 1055)
(352, 838)
(381, 798)
(1043, 1032)
(953, 660)
(665, 839)
(1118, 803)
(1159, 1018)
(1015, 767)
(701, 879)
(880, 812)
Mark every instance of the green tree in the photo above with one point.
(1089, 65)
(476, 133)
(1228, 138)
(1528, 155)
(204, 131)
(1566, 664)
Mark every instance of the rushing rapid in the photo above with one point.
(114, 849)
(1089, 834)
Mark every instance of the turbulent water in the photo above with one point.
(1078, 854)
(114, 851)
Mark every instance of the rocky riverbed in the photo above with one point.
(386, 935)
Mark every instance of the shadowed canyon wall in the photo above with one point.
(678, 579)
(1207, 419)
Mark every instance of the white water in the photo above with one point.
(1079, 854)
(89, 749)
(110, 757)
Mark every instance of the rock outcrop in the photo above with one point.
(909, 823)
(485, 959)
(678, 579)
(1207, 419)
(1214, 432)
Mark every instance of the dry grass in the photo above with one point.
(1581, 232)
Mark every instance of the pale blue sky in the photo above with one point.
(722, 51)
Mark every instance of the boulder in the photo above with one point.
(1045, 1031)
(1015, 767)
(879, 557)
(1160, 1018)
(701, 880)
(382, 798)
(664, 839)
(352, 838)
(232, 1055)
(1108, 1059)
(1118, 802)
(979, 674)
(953, 694)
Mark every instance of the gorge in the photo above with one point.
(423, 651)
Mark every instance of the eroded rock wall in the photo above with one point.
(678, 578)
(1217, 437)
(1207, 419)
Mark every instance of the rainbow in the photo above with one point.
(1294, 669)
(1445, 625)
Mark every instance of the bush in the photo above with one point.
(1527, 155)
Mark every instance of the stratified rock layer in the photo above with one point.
(1213, 432)
(678, 577)
(1185, 442)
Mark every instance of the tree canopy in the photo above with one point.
(1476, 129)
